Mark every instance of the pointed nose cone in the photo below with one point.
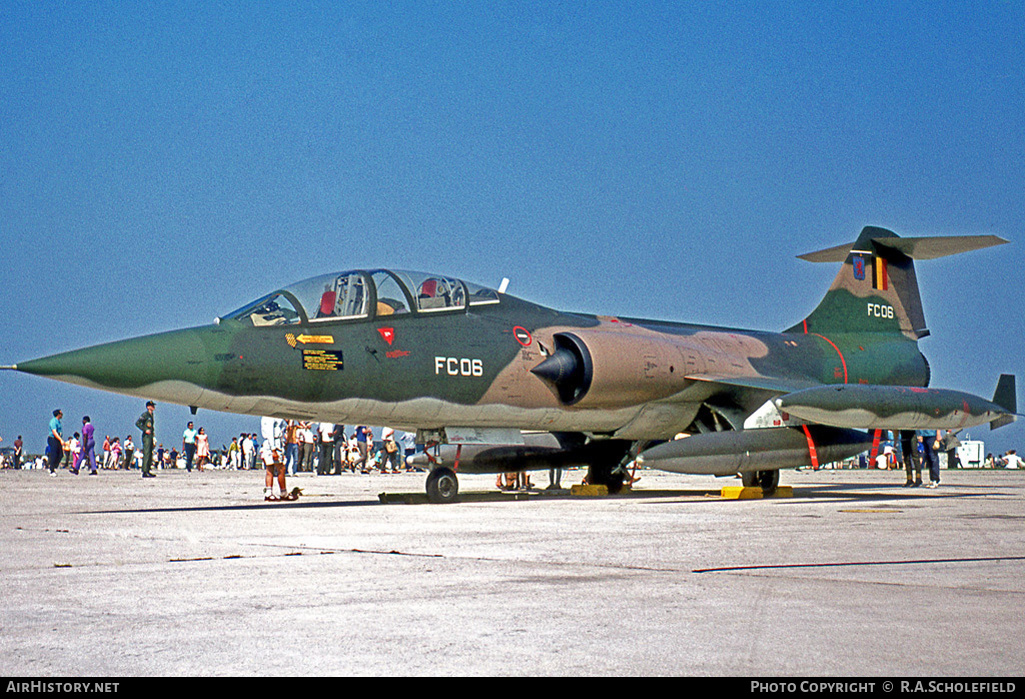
(140, 366)
(558, 368)
(568, 372)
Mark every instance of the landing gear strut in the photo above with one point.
(607, 464)
(610, 475)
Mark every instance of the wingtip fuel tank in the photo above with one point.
(898, 407)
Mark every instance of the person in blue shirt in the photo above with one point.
(364, 448)
(55, 442)
(189, 445)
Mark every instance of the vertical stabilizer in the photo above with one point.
(1006, 396)
(876, 289)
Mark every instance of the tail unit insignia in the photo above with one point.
(876, 290)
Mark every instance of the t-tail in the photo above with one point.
(876, 290)
(872, 318)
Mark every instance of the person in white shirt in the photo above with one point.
(325, 431)
(306, 447)
(248, 451)
(129, 453)
(273, 454)
(75, 448)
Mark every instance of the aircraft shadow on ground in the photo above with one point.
(894, 491)
(235, 508)
(841, 493)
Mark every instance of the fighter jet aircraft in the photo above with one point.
(511, 385)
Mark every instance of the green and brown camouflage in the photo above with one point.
(900, 407)
(647, 379)
(429, 353)
(875, 292)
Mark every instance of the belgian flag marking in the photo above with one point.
(880, 279)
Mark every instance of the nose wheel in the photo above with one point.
(442, 485)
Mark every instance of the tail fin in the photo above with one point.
(1006, 397)
(876, 289)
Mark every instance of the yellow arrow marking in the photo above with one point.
(292, 340)
(316, 339)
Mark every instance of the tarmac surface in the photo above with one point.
(195, 575)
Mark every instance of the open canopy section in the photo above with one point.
(359, 294)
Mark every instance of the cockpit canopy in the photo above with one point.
(364, 294)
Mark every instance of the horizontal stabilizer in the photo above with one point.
(923, 248)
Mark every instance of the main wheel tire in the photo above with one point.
(766, 480)
(442, 486)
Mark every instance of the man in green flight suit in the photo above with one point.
(145, 423)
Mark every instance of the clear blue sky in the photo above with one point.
(162, 163)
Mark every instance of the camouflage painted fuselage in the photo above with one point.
(472, 367)
(464, 364)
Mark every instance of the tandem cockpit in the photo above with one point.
(364, 294)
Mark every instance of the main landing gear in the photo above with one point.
(768, 481)
(442, 485)
(610, 475)
(605, 461)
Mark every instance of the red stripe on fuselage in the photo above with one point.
(842, 360)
